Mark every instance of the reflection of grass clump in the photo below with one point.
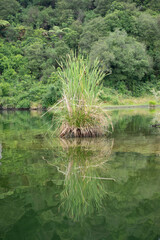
(80, 112)
(84, 187)
(82, 196)
(83, 163)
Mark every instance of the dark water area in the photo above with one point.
(94, 189)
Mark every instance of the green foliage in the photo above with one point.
(3, 25)
(37, 34)
(71, 37)
(35, 54)
(91, 32)
(102, 6)
(52, 95)
(152, 103)
(121, 19)
(23, 104)
(89, 15)
(110, 96)
(152, 4)
(147, 29)
(8, 9)
(5, 89)
(122, 57)
(37, 18)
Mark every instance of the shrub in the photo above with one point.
(109, 95)
(23, 104)
(5, 89)
(52, 95)
(7, 102)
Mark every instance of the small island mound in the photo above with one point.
(80, 113)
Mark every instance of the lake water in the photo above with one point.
(91, 189)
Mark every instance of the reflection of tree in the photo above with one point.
(131, 124)
(83, 166)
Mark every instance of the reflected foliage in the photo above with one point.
(45, 193)
(84, 175)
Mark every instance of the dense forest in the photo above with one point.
(36, 34)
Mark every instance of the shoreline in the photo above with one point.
(109, 107)
(130, 106)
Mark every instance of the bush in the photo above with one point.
(36, 92)
(52, 95)
(5, 89)
(109, 95)
(7, 102)
(25, 103)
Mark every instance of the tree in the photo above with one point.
(46, 3)
(146, 29)
(31, 16)
(102, 6)
(3, 26)
(91, 32)
(144, 4)
(37, 18)
(122, 56)
(122, 19)
(8, 7)
(35, 53)
(71, 37)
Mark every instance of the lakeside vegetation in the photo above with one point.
(80, 113)
(35, 35)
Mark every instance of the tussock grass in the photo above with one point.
(80, 112)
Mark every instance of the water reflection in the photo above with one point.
(84, 166)
(0, 151)
(156, 121)
(56, 190)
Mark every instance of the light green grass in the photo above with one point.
(80, 112)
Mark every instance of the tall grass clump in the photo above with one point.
(81, 114)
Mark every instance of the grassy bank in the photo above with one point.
(43, 96)
(112, 97)
(119, 101)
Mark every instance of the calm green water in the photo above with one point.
(91, 189)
